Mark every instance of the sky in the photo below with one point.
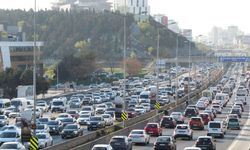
(198, 15)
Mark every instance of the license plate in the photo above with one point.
(94, 126)
(150, 132)
(162, 144)
(195, 125)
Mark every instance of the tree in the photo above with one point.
(133, 66)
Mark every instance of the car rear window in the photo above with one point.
(204, 140)
(117, 140)
(233, 120)
(152, 126)
(137, 132)
(163, 139)
(182, 127)
(203, 115)
(195, 119)
(167, 119)
(214, 125)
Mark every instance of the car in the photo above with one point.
(167, 122)
(10, 136)
(165, 142)
(120, 143)
(178, 117)
(61, 116)
(211, 113)
(236, 111)
(102, 147)
(43, 120)
(196, 123)
(217, 108)
(233, 123)
(131, 112)
(55, 127)
(183, 130)
(42, 128)
(108, 119)
(201, 105)
(96, 122)
(66, 121)
(239, 103)
(44, 140)
(71, 131)
(4, 120)
(101, 108)
(190, 112)
(88, 109)
(44, 106)
(139, 136)
(83, 119)
(10, 128)
(12, 146)
(153, 129)
(205, 143)
(205, 118)
(140, 110)
(73, 113)
(216, 129)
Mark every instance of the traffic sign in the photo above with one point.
(33, 143)
(234, 59)
(124, 116)
(157, 105)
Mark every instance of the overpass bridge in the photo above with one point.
(193, 59)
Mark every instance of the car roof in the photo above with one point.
(119, 136)
(204, 137)
(101, 145)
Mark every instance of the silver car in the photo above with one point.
(44, 140)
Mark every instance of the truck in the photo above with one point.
(118, 102)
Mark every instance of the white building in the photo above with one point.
(173, 26)
(139, 8)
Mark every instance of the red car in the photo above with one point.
(196, 123)
(153, 129)
(131, 113)
(205, 118)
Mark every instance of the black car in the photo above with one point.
(190, 112)
(120, 143)
(167, 122)
(205, 143)
(71, 131)
(96, 122)
(55, 127)
(165, 143)
(66, 121)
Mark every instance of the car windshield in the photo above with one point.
(71, 127)
(235, 111)
(233, 120)
(163, 139)
(86, 109)
(8, 135)
(57, 103)
(137, 132)
(9, 146)
(95, 118)
(67, 120)
(15, 103)
(117, 140)
(105, 116)
(53, 123)
(214, 125)
(40, 127)
(40, 104)
(84, 116)
(41, 136)
(71, 112)
(43, 119)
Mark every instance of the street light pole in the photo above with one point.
(189, 74)
(157, 65)
(176, 63)
(34, 70)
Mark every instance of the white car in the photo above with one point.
(146, 106)
(216, 128)
(43, 106)
(10, 136)
(10, 128)
(12, 146)
(205, 100)
(217, 108)
(140, 110)
(183, 130)
(201, 105)
(178, 117)
(42, 128)
(62, 116)
(108, 119)
(102, 147)
(88, 109)
(44, 140)
(139, 136)
(83, 119)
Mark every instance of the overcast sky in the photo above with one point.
(199, 15)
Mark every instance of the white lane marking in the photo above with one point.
(236, 141)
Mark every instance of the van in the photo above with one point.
(20, 103)
(216, 129)
(4, 103)
(209, 94)
(241, 95)
(58, 104)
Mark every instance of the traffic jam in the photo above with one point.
(65, 118)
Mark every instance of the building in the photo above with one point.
(20, 55)
(139, 8)
(173, 26)
(161, 19)
(188, 34)
(94, 5)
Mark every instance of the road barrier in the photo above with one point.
(102, 136)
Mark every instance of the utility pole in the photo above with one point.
(176, 64)
(157, 66)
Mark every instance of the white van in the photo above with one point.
(216, 129)
(241, 95)
(20, 103)
(4, 103)
(224, 98)
(209, 94)
(145, 95)
(58, 104)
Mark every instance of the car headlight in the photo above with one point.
(75, 132)
(54, 128)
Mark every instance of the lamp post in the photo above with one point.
(157, 66)
(34, 71)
